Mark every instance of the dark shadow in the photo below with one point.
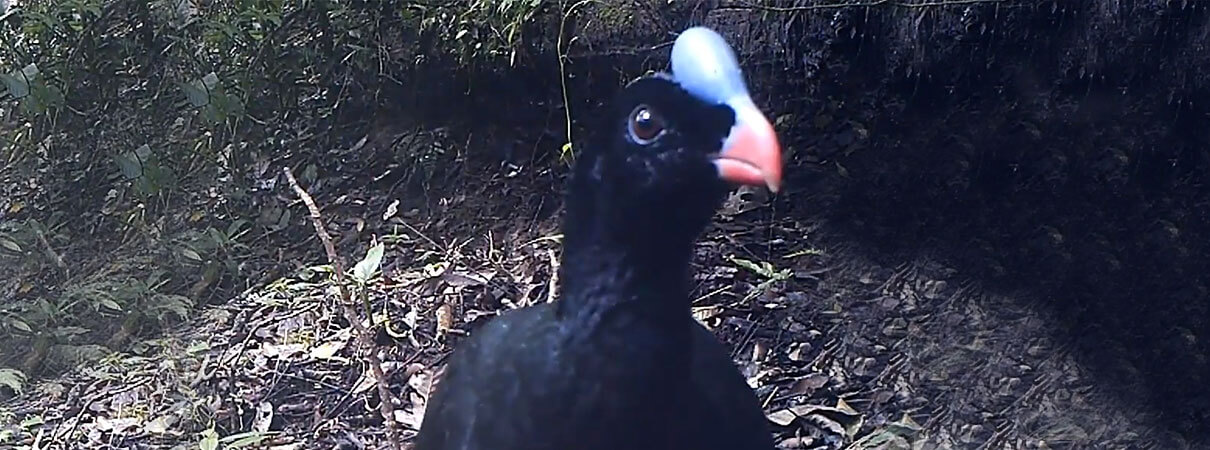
(1090, 190)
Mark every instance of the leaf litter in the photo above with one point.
(844, 352)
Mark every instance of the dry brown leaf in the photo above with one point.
(759, 351)
(881, 440)
(412, 415)
(744, 199)
(327, 350)
(420, 379)
(367, 382)
(264, 417)
(282, 350)
(422, 382)
(796, 351)
(799, 442)
(160, 424)
(842, 416)
(810, 383)
(410, 318)
(116, 425)
(460, 279)
(445, 319)
(705, 313)
(392, 209)
(894, 436)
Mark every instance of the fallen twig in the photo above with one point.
(386, 404)
(49, 249)
(552, 286)
(858, 4)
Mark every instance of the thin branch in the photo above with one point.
(567, 12)
(49, 248)
(630, 51)
(386, 400)
(897, 3)
(552, 287)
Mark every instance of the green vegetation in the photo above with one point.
(136, 137)
(1046, 148)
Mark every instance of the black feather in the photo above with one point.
(617, 362)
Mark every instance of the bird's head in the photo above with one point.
(671, 145)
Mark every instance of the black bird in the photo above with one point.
(617, 362)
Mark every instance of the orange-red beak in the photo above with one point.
(751, 155)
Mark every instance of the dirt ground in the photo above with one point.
(938, 273)
(848, 346)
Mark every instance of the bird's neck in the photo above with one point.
(607, 274)
(617, 260)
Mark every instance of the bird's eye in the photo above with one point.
(645, 125)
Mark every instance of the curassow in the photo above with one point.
(617, 361)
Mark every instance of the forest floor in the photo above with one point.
(1058, 146)
(847, 347)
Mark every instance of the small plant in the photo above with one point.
(13, 379)
(481, 30)
(31, 89)
(765, 270)
(213, 247)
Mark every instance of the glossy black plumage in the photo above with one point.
(617, 362)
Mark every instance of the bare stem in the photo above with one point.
(386, 405)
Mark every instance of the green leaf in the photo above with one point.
(307, 273)
(153, 278)
(177, 305)
(32, 421)
(199, 92)
(894, 436)
(20, 325)
(222, 107)
(284, 220)
(130, 167)
(209, 440)
(842, 171)
(367, 266)
(190, 254)
(327, 350)
(131, 163)
(804, 252)
(68, 332)
(36, 96)
(196, 96)
(310, 173)
(566, 152)
(160, 424)
(158, 176)
(46, 96)
(109, 303)
(216, 236)
(234, 228)
(13, 85)
(12, 246)
(13, 379)
(759, 269)
(764, 268)
(198, 347)
(247, 439)
(19, 83)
